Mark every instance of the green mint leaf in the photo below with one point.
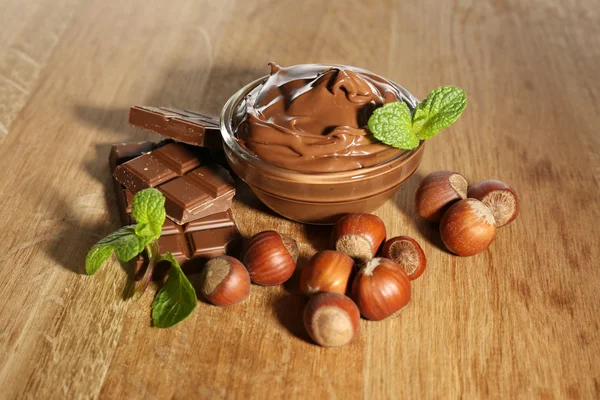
(175, 300)
(96, 257)
(392, 125)
(145, 241)
(144, 230)
(148, 209)
(124, 242)
(439, 110)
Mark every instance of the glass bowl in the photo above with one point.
(314, 197)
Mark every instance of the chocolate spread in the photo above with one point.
(313, 118)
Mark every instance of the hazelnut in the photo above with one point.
(331, 319)
(359, 236)
(327, 271)
(468, 227)
(438, 191)
(271, 258)
(406, 252)
(225, 281)
(380, 289)
(498, 197)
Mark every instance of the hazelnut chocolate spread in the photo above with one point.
(313, 118)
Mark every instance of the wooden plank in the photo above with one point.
(517, 321)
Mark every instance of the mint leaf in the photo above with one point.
(175, 300)
(124, 242)
(144, 230)
(392, 125)
(148, 209)
(439, 110)
(96, 257)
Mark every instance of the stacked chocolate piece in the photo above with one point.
(198, 191)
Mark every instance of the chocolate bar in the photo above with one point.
(191, 244)
(182, 125)
(120, 153)
(193, 186)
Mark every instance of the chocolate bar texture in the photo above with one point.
(182, 125)
(193, 186)
(191, 244)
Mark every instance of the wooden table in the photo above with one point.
(518, 320)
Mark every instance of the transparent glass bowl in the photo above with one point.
(309, 197)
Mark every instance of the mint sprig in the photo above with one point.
(129, 241)
(177, 298)
(394, 125)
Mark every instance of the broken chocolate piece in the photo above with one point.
(193, 186)
(182, 125)
(123, 152)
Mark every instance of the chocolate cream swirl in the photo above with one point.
(313, 118)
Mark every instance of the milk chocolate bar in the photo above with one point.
(191, 244)
(193, 186)
(182, 125)
(123, 152)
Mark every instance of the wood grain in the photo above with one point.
(519, 320)
(30, 32)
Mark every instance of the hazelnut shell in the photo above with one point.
(498, 197)
(271, 258)
(331, 319)
(468, 227)
(225, 281)
(437, 192)
(359, 236)
(407, 253)
(380, 288)
(327, 271)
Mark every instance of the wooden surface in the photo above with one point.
(519, 320)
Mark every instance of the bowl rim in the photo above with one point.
(226, 128)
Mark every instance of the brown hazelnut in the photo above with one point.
(468, 227)
(225, 281)
(331, 319)
(380, 289)
(359, 236)
(271, 258)
(406, 252)
(438, 191)
(498, 197)
(327, 271)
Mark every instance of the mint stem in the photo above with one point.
(152, 250)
